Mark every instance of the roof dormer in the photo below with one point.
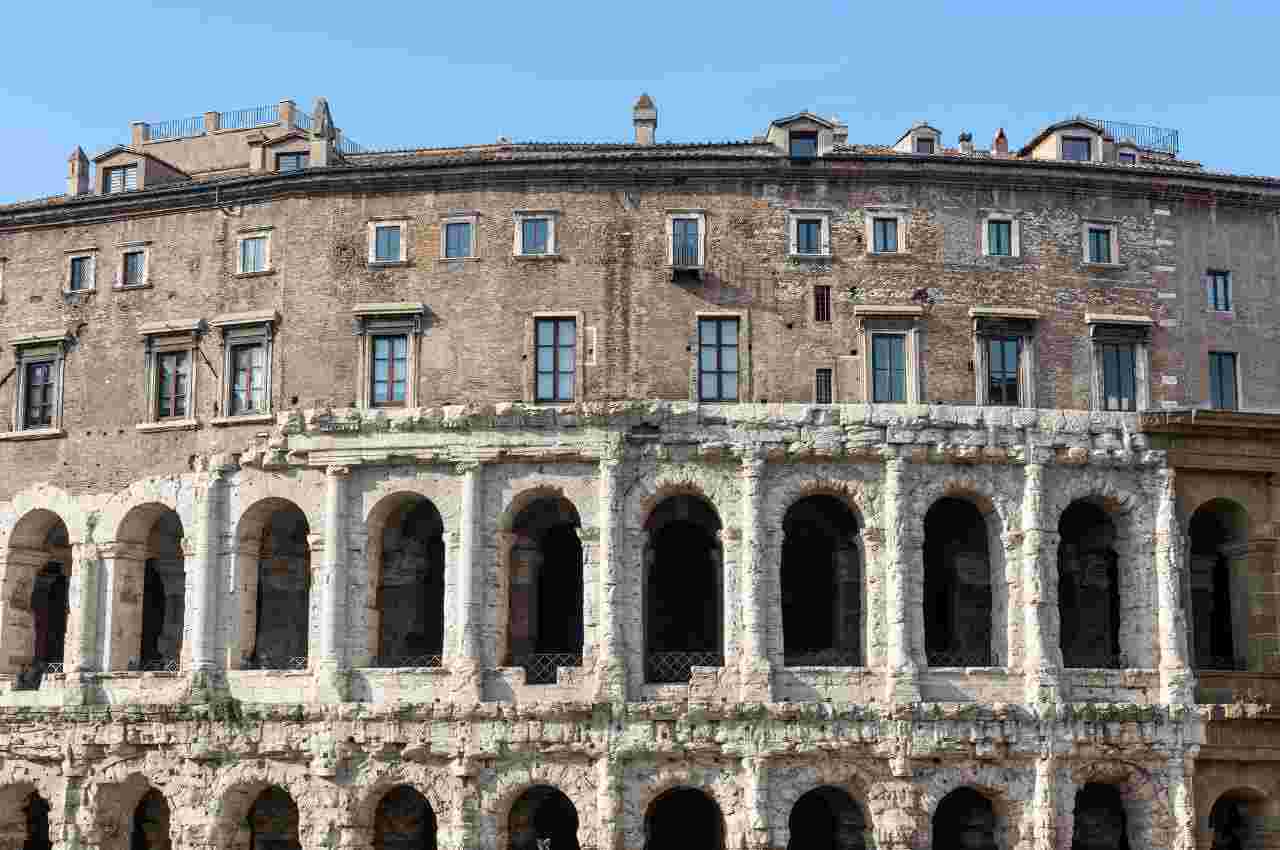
(1127, 152)
(288, 151)
(804, 136)
(126, 169)
(921, 138)
(1073, 140)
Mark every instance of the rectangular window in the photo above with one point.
(1220, 291)
(390, 370)
(684, 242)
(1079, 150)
(292, 161)
(1128, 158)
(804, 145)
(122, 178)
(253, 254)
(1119, 376)
(248, 379)
(557, 344)
(889, 368)
(822, 303)
(533, 236)
(172, 374)
(924, 145)
(1002, 370)
(386, 243)
(718, 359)
(809, 236)
(81, 274)
(822, 386)
(885, 235)
(39, 391)
(457, 242)
(1222, 380)
(1000, 238)
(1099, 244)
(135, 268)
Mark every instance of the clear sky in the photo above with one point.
(441, 73)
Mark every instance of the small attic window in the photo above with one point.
(924, 144)
(121, 178)
(1128, 157)
(803, 145)
(291, 161)
(1077, 148)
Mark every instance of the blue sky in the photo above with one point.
(429, 73)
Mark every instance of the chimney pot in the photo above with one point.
(644, 116)
(966, 142)
(1000, 146)
(77, 172)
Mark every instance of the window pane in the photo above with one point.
(387, 244)
(534, 236)
(566, 387)
(808, 235)
(707, 359)
(924, 145)
(546, 359)
(1076, 149)
(566, 358)
(804, 144)
(729, 331)
(886, 235)
(707, 332)
(133, 268)
(1099, 245)
(728, 358)
(708, 386)
(458, 239)
(728, 386)
(999, 237)
(684, 238)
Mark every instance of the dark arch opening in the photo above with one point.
(1088, 588)
(1099, 818)
(38, 604)
(273, 821)
(545, 610)
(684, 590)
(404, 821)
(827, 818)
(1219, 586)
(284, 592)
(821, 574)
(150, 823)
(957, 586)
(49, 609)
(36, 813)
(410, 595)
(964, 820)
(684, 818)
(1238, 822)
(543, 818)
(163, 593)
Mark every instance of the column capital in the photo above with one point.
(119, 550)
(337, 470)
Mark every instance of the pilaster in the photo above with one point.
(467, 664)
(1042, 656)
(1177, 682)
(609, 797)
(753, 570)
(202, 611)
(1043, 832)
(611, 667)
(331, 678)
(756, 797)
(902, 685)
(120, 595)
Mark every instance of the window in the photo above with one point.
(1120, 361)
(717, 359)
(809, 236)
(253, 254)
(1004, 355)
(248, 379)
(822, 303)
(1099, 244)
(1002, 370)
(556, 345)
(458, 239)
(81, 274)
(822, 386)
(1222, 380)
(135, 268)
(170, 381)
(121, 178)
(386, 243)
(533, 235)
(889, 368)
(172, 375)
(1220, 291)
(390, 335)
(1000, 238)
(1128, 158)
(38, 400)
(246, 363)
(1080, 150)
(804, 145)
(390, 370)
(809, 233)
(40, 384)
(924, 145)
(292, 161)
(885, 236)
(685, 242)
(1119, 375)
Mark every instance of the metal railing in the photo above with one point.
(301, 120)
(156, 665)
(1143, 135)
(1226, 663)
(267, 662)
(675, 667)
(391, 662)
(177, 128)
(823, 658)
(346, 146)
(29, 678)
(540, 668)
(1096, 661)
(961, 658)
(684, 250)
(242, 119)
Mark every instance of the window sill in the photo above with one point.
(1223, 314)
(459, 259)
(168, 425)
(262, 273)
(388, 264)
(33, 434)
(89, 290)
(999, 257)
(1105, 266)
(884, 255)
(535, 256)
(243, 419)
(802, 257)
(131, 287)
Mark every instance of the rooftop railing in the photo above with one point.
(177, 128)
(243, 119)
(1143, 135)
(345, 145)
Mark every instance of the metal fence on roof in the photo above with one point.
(345, 145)
(177, 128)
(243, 119)
(301, 120)
(1143, 135)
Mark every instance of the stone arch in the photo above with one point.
(960, 614)
(117, 792)
(406, 596)
(274, 572)
(577, 782)
(789, 782)
(821, 566)
(1088, 586)
(966, 818)
(435, 785)
(1149, 821)
(25, 817)
(539, 813)
(684, 816)
(404, 820)
(1218, 587)
(827, 816)
(1243, 818)
(37, 569)
(236, 790)
(148, 591)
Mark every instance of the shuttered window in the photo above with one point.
(885, 235)
(172, 378)
(121, 178)
(39, 392)
(1119, 376)
(889, 368)
(1222, 380)
(533, 236)
(135, 268)
(248, 379)
(999, 238)
(253, 254)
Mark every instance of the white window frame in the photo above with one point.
(251, 328)
(1100, 224)
(1015, 235)
(1027, 360)
(870, 216)
(163, 337)
(388, 319)
(794, 217)
(39, 347)
(90, 254)
(143, 247)
(402, 224)
(699, 216)
(551, 217)
(1141, 360)
(254, 233)
(471, 218)
(903, 320)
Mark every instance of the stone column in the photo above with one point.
(609, 797)
(123, 570)
(1182, 804)
(1043, 832)
(467, 662)
(611, 662)
(901, 560)
(202, 609)
(1177, 682)
(753, 570)
(333, 587)
(755, 828)
(1042, 657)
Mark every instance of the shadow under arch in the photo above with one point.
(827, 818)
(407, 582)
(822, 584)
(273, 560)
(1218, 578)
(965, 819)
(38, 568)
(686, 818)
(404, 820)
(149, 554)
(1243, 819)
(1089, 604)
(959, 609)
(543, 818)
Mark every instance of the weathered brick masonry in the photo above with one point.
(637, 619)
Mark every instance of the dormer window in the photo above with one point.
(121, 178)
(924, 144)
(804, 145)
(1077, 148)
(292, 161)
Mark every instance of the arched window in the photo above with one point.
(274, 564)
(150, 829)
(821, 574)
(543, 818)
(37, 569)
(1099, 819)
(545, 618)
(409, 599)
(685, 818)
(273, 821)
(163, 586)
(404, 821)
(964, 820)
(827, 818)
(1240, 822)
(684, 590)
(1088, 588)
(957, 586)
(1219, 579)
(36, 813)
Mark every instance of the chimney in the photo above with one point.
(77, 173)
(1000, 145)
(966, 143)
(323, 134)
(644, 115)
(288, 114)
(140, 133)
(840, 132)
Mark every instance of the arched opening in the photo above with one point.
(404, 821)
(685, 818)
(1099, 819)
(1219, 586)
(35, 811)
(409, 599)
(957, 586)
(275, 569)
(1238, 822)
(1088, 588)
(543, 818)
(827, 818)
(964, 820)
(821, 574)
(150, 830)
(545, 618)
(37, 571)
(684, 590)
(273, 821)
(149, 554)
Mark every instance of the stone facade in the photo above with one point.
(634, 619)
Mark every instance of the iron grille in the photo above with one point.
(1098, 661)
(824, 658)
(177, 128)
(347, 146)
(29, 678)
(256, 116)
(269, 662)
(1143, 135)
(962, 658)
(674, 667)
(388, 662)
(540, 667)
(1222, 662)
(156, 665)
